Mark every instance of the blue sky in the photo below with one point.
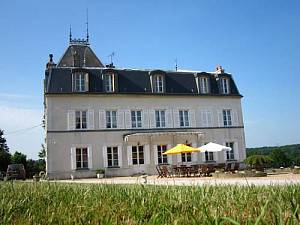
(257, 41)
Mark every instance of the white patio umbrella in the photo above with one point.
(213, 147)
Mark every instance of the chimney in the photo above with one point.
(50, 64)
(219, 69)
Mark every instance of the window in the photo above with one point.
(160, 118)
(136, 118)
(209, 156)
(137, 155)
(158, 83)
(81, 158)
(206, 117)
(184, 118)
(112, 156)
(186, 157)
(230, 154)
(162, 159)
(224, 86)
(227, 117)
(81, 120)
(109, 82)
(203, 85)
(111, 119)
(79, 82)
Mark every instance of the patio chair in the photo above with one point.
(195, 170)
(204, 170)
(235, 167)
(158, 169)
(228, 167)
(165, 171)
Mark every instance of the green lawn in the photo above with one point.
(56, 203)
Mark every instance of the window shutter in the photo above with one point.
(216, 156)
(179, 158)
(176, 118)
(236, 151)
(169, 156)
(169, 119)
(90, 119)
(194, 154)
(147, 154)
(86, 82)
(120, 119)
(220, 119)
(128, 119)
(225, 152)
(203, 119)
(235, 119)
(104, 155)
(145, 118)
(152, 118)
(155, 154)
(129, 155)
(73, 158)
(102, 119)
(192, 118)
(71, 120)
(120, 157)
(90, 158)
(209, 119)
(203, 156)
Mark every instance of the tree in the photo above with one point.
(4, 152)
(42, 153)
(280, 158)
(19, 158)
(258, 161)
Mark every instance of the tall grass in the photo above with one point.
(56, 203)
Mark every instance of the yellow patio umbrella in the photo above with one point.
(180, 148)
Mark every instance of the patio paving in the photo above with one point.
(280, 179)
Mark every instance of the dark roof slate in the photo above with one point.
(59, 80)
(86, 57)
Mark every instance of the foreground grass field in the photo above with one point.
(52, 203)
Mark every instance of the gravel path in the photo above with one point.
(282, 179)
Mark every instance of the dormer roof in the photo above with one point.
(79, 54)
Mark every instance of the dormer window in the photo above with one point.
(224, 85)
(109, 82)
(158, 84)
(80, 82)
(203, 83)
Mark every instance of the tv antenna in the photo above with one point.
(87, 25)
(176, 66)
(111, 57)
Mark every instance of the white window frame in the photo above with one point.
(224, 85)
(184, 118)
(160, 118)
(203, 83)
(112, 153)
(230, 154)
(136, 120)
(227, 117)
(158, 83)
(209, 156)
(161, 159)
(81, 155)
(109, 82)
(186, 157)
(138, 158)
(83, 121)
(111, 119)
(79, 82)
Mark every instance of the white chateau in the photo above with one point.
(122, 120)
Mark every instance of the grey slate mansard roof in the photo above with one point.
(58, 79)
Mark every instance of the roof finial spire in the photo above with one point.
(87, 25)
(70, 34)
